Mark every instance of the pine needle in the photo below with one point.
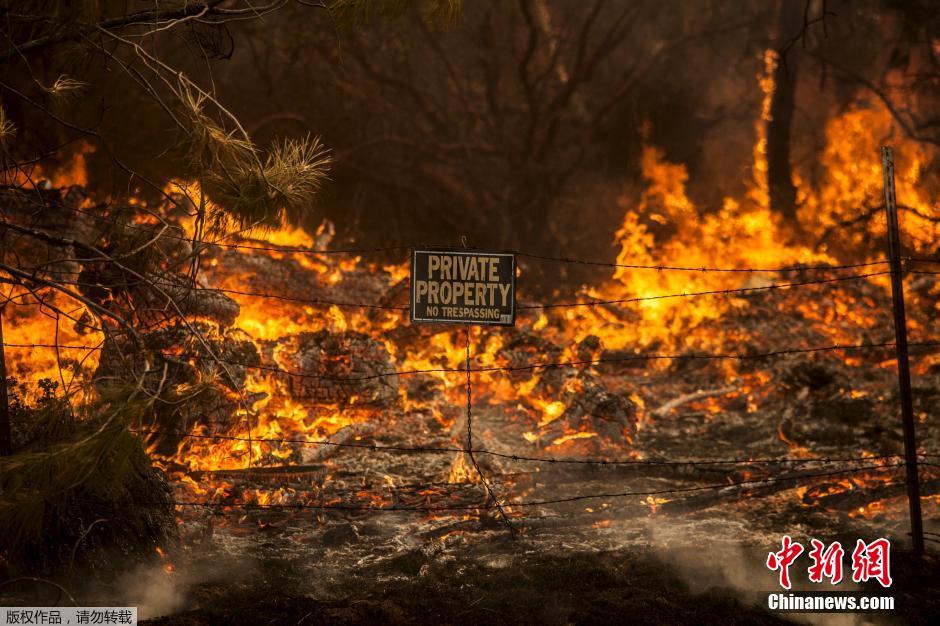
(7, 130)
(64, 88)
(251, 189)
(45, 487)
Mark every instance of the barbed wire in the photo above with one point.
(681, 268)
(492, 501)
(301, 300)
(194, 288)
(917, 259)
(512, 456)
(522, 457)
(473, 460)
(405, 308)
(559, 259)
(507, 368)
(711, 292)
(234, 246)
(534, 503)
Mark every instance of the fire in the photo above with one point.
(654, 503)
(664, 227)
(462, 472)
(164, 557)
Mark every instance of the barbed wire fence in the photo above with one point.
(33, 281)
(469, 449)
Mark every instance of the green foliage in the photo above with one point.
(77, 469)
(251, 189)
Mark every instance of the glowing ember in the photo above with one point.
(273, 314)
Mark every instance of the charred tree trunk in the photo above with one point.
(782, 106)
(6, 441)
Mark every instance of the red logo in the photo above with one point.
(827, 563)
(783, 559)
(869, 561)
(872, 560)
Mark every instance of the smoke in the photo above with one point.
(159, 589)
(706, 556)
(154, 591)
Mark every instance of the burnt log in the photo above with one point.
(836, 495)
(348, 434)
(828, 421)
(668, 407)
(347, 369)
(589, 408)
(751, 488)
(289, 275)
(170, 292)
(795, 373)
(524, 348)
(193, 379)
(54, 211)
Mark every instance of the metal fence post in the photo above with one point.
(904, 369)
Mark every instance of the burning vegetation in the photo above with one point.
(207, 355)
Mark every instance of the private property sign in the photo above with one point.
(463, 287)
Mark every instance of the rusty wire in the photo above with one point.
(587, 303)
(524, 458)
(495, 368)
(470, 453)
(756, 482)
(795, 267)
(493, 502)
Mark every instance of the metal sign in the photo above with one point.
(463, 287)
